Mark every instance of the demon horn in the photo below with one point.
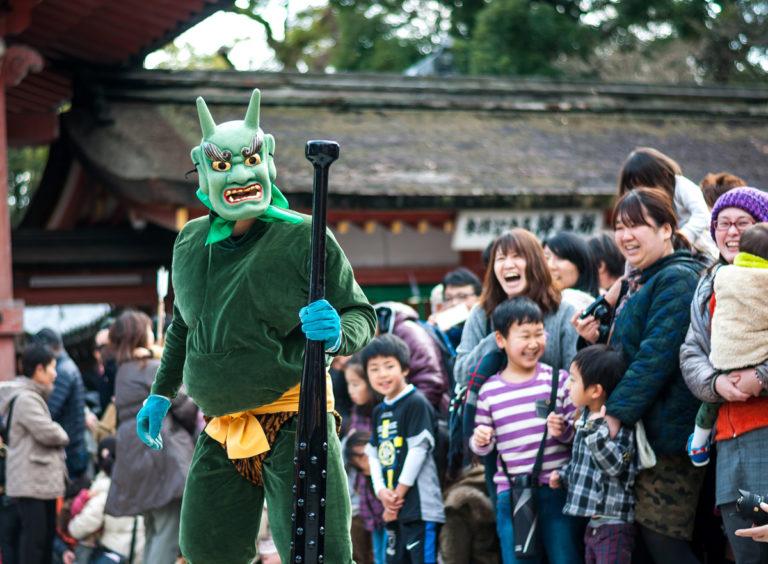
(206, 119)
(252, 115)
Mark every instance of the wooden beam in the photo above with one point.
(18, 18)
(135, 296)
(384, 276)
(32, 128)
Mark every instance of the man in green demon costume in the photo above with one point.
(241, 320)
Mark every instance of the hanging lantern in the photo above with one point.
(422, 227)
(342, 227)
(369, 227)
(396, 227)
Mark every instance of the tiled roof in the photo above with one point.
(438, 142)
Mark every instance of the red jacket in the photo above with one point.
(737, 418)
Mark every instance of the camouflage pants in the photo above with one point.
(667, 495)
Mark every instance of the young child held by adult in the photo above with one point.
(739, 331)
(600, 476)
(512, 415)
(402, 466)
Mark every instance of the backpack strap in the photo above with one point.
(552, 404)
(7, 430)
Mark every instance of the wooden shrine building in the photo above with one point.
(430, 169)
(47, 50)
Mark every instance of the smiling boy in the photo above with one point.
(403, 469)
(511, 410)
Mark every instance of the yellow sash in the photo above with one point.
(241, 432)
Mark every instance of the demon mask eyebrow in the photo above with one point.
(214, 153)
(255, 146)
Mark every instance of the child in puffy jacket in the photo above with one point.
(100, 534)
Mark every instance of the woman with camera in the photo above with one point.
(649, 325)
(742, 429)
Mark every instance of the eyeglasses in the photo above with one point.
(725, 225)
(458, 298)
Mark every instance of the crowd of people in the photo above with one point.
(577, 431)
(600, 400)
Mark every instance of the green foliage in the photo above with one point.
(734, 44)
(367, 42)
(353, 35)
(525, 38)
(184, 56)
(25, 169)
(662, 40)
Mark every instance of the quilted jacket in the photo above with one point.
(649, 330)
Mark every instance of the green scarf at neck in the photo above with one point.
(278, 211)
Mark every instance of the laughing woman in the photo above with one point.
(517, 268)
(650, 325)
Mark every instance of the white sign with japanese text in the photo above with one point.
(476, 228)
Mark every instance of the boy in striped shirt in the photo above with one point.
(511, 414)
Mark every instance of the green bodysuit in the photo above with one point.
(236, 342)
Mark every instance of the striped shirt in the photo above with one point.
(510, 408)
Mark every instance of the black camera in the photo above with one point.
(601, 310)
(748, 506)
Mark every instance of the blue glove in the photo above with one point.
(320, 322)
(149, 421)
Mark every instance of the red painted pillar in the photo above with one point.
(14, 66)
(7, 329)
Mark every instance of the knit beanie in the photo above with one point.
(751, 200)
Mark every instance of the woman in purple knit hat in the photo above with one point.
(743, 457)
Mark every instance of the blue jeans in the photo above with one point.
(379, 540)
(560, 536)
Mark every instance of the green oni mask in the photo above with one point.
(236, 169)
